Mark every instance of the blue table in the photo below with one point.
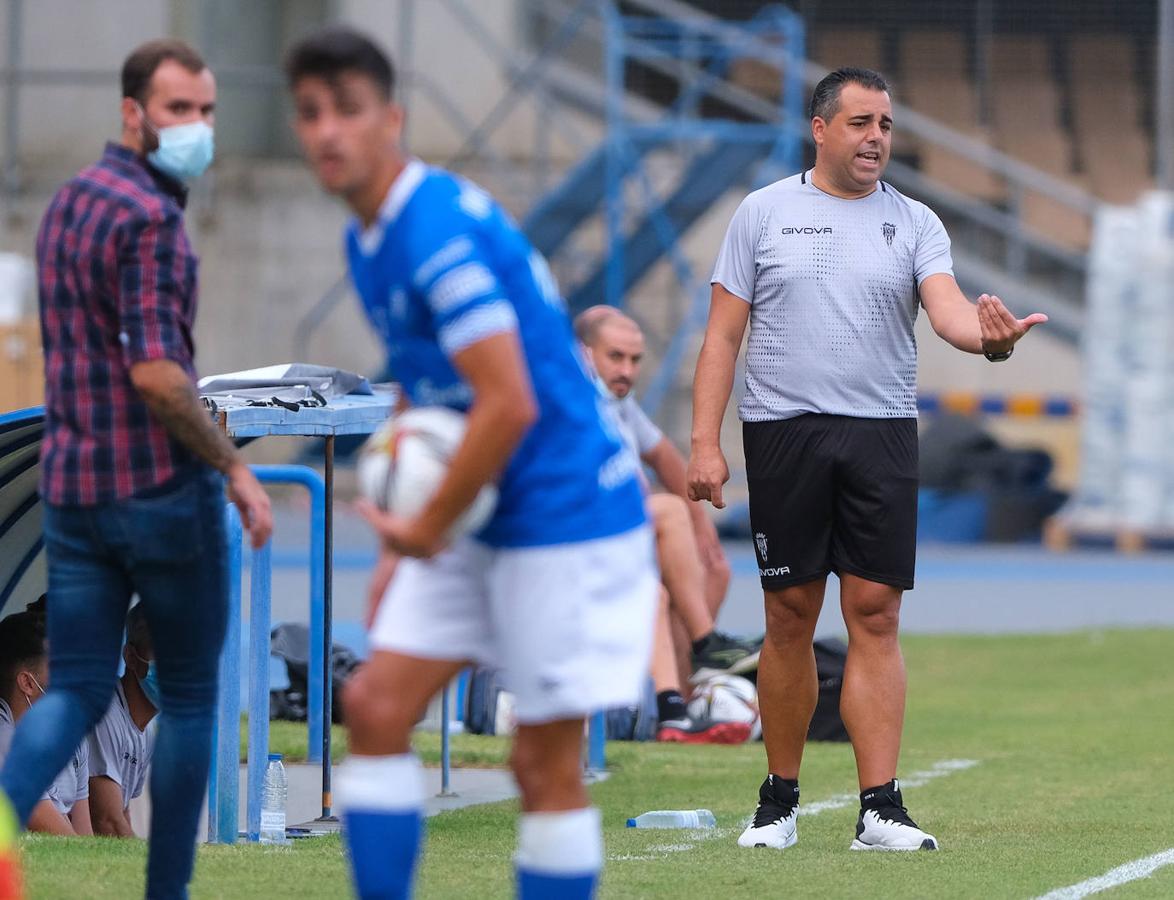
(352, 414)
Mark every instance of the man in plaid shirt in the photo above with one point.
(133, 469)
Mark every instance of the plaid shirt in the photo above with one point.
(117, 281)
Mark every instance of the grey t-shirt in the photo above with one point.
(119, 751)
(71, 784)
(639, 431)
(832, 287)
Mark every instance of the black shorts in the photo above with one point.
(833, 494)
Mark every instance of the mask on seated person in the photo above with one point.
(27, 699)
(149, 682)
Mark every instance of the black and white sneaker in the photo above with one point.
(884, 823)
(723, 654)
(773, 824)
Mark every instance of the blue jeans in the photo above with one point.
(169, 547)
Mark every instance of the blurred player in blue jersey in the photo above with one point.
(558, 590)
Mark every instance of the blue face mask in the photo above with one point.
(149, 682)
(150, 685)
(184, 151)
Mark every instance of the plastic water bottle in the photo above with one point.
(274, 791)
(674, 818)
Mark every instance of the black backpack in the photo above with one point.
(291, 644)
(826, 724)
(623, 723)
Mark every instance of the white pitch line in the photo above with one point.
(660, 851)
(840, 801)
(1131, 871)
(915, 779)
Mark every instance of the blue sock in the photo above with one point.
(559, 855)
(381, 798)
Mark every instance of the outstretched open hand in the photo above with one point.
(999, 327)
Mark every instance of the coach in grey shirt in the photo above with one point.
(829, 268)
(122, 743)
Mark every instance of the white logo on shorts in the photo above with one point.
(760, 540)
(772, 573)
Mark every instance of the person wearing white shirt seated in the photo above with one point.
(694, 570)
(121, 744)
(24, 675)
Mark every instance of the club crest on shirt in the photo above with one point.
(760, 540)
(889, 230)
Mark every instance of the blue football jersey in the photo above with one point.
(443, 267)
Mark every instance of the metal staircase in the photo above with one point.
(662, 163)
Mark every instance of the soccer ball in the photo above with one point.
(402, 464)
(727, 698)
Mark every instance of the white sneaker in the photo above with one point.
(773, 824)
(885, 824)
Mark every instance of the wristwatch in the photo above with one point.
(998, 357)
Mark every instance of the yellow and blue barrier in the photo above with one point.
(971, 403)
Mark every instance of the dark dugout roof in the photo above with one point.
(22, 560)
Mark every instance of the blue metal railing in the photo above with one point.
(318, 664)
(223, 784)
(224, 778)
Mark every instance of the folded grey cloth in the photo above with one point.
(296, 383)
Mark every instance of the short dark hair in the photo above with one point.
(140, 66)
(333, 51)
(138, 633)
(22, 645)
(825, 99)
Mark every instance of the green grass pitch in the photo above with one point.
(1072, 736)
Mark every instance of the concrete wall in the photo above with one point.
(58, 120)
(471, 71)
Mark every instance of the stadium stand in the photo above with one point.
(1070, 105)
(933, 54)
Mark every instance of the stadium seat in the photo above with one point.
(1024, 105)
(1118, 164)
(1020, 57)
(1105, 107)
(1057, 221)
(933, 54)
(850, 47)
(757, 75)
(961, 174)
(1100, 58)
(1047, 149)
(953, 101)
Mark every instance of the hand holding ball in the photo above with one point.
(403, 463)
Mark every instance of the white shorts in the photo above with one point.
(568, 626)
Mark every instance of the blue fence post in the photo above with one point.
(597, 743)
(613, 61)
(445, 748)
(224, 780)
(316, 677)
(224, 777)
(321, 671)
(462, 693)
(259, 617)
